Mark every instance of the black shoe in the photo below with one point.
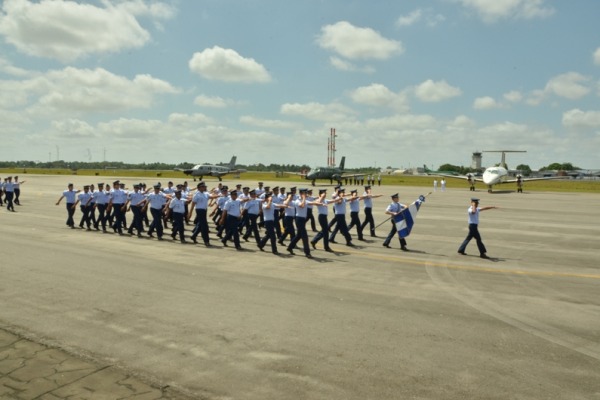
(350, 244)
(261, 248)
(224, 243)
(462, 252)
(173, 236)
(404, 248)
(150, 234)
(207, 244)
(308, 255)
(280, 242)
(194, 239)
(291, 251)
(276, 253)
(484, 255)
(386, 245)
(329, 250)
(239, 248)
(362, 239)
(313, 244)
(245, 239)
(332, 241)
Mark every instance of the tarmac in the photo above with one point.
(86, 315)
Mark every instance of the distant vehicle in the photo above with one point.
(331, 173)
(202, 170)
(430, 172)
(498, 174)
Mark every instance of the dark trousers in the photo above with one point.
(157, 223)
(119, 217)
(369, 220)
(17, 194)
(231, 228)
(342, 227)
(355, 221)
(473, 233)
(311, 218)
(70, 214)
(178, 226)
(252, 228)
(394, 232)
(101, 216)
(288, 228)
(277, 224)
(85, 218)
(269, 235)
(323, 233)
(201, 227)
(137, 220)
(301, 234)
(9, 201)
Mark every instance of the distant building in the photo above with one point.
(476, 160)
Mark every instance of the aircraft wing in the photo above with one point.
(536, 179)
(352, 175)
(185, 171)
(463, 177)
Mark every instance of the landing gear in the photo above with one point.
(490, 189)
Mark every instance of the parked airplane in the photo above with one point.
(331, 173)
(499, 174)
(201, 170)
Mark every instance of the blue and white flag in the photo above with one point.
(406, 219)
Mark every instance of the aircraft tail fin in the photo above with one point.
(503, 159)
(232, 162)
(342, 163)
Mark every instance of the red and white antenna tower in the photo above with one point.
(331, 148)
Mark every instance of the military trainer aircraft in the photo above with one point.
(201, 170)
(331, 173)
(498, 174)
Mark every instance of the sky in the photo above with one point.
(404, 83)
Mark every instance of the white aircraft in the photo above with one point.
(201, 170)
(497, 175)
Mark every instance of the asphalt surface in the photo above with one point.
(185, 321)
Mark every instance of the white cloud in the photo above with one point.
(212, 102)
(419, 15)
(380, 96)
(410, 19)
(73, 91)
(67, 30)
(494, 10)
(596, 56)
(581, 119)
(344, 65)
(319, 112)
(268, 123)
(486, 103)
(514, 96)
(568, 85)
(432, 92)
(228, 66)
(353, 42)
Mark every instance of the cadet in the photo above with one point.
(354, 210)
(309, 216)
(177, 211)
(339, 208)
(136, 200)
(100, 198)
(301, 207)
(157, 201)
(85, 198)
(322, 204)
(252, 208)
(269, 210)
(9, 191)
(230, 218)
(368, 209)
(394, 209)
(473, 212)
(17, 190)
(200, 203)
(288, 219)
(118, 198)
(70, 195)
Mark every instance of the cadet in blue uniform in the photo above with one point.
(339, 207)
(100, 198)
(301, 207)
(473, 212)
(136, 201)
(394, 209)
(157, 201)
(84, 199)
(177, 211)
(9, 191)
(118, 198)
(269, 211)
(200, 204)
(322, 204)
(231, 219)
(17, 190)
(70, 195)
(252, 208)
(368, 209)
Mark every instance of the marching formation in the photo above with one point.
(10, 190)
(238, 214)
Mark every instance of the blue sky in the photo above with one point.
(404, 83)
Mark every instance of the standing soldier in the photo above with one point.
(394, 209)
(354, 210)
(157, 201)
(200, 204)
(136, 200)
(177, 211)
(100, 198)
(9, 191)
(339, 208)
(269, 211)
(70, 195)
(368, 209)
(84, 200)
(231, 218)
(301, 207)
(288, 219)
(118, 198)
(322, 206)
(473, 212)
(17, 190)
(252, 207)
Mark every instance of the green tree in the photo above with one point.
(524, 168)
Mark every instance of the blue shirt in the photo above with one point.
(70, 195)
(157, 200)
(177, 205)
(201, 200)
(474, 216)
(232, 207)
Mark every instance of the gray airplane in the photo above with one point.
(202, 170)
(331, 173)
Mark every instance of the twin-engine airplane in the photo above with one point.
(497, 175)
(331, 173)
(201, 170)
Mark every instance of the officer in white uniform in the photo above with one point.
(177, 211)
(231, 217)
(100, 198)
(157, 201)
(473, 212)
(70, 195)
(200, 204)
(394, 209)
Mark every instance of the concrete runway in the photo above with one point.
(364, 323)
